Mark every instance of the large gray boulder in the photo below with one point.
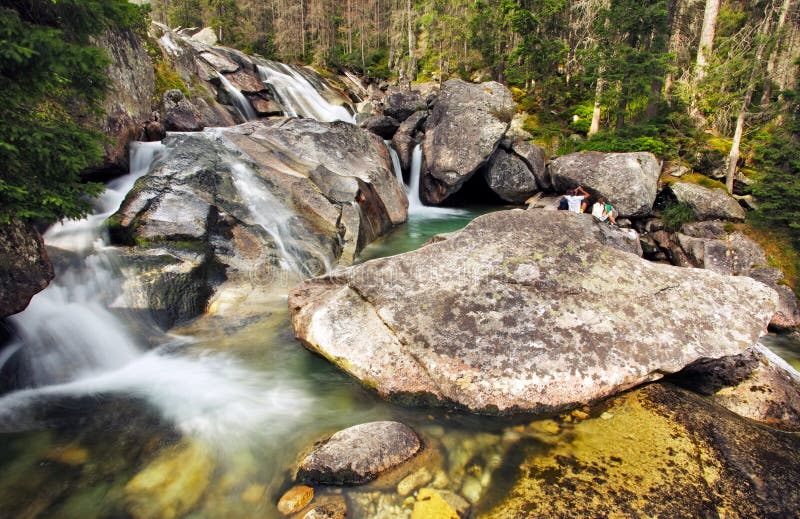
(248, 202)
(400, 105)
(510, 177)
(359, 454)
(787, 315)
(461, 133)
(629, 181)
(178, 114)
(25, 268)
(533, 156)
(529, 311)
(707, 203)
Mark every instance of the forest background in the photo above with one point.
(707, 84)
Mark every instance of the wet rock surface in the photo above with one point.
(25, 268)
(359, 454)
(537, 296)
(629, 181)
(249, 201)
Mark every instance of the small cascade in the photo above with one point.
(67, 331)
(275, 219)
(415, 205)
(301, 98)
(241, 103)
(398, 170)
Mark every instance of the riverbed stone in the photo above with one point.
(629, 181)
(178, 114)
(25, 267)
(400, 104)
(294, 499)
(664, 452)
(171, 485)
(463, 130)
(359, 454)
(533, 156)
(510, 314)
(381, 125)
(405, 138)
(708, 203)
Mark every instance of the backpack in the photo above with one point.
(563, 205)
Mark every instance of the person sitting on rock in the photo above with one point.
(603, 211)
(577, 199)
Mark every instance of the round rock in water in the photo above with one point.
(359, 454)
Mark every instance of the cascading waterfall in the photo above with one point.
(398, 170)
(67, 330)
(299, 96)
(415, 205)
(241, 103)
(274, 218)
(70, 344)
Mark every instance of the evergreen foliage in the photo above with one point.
(48, 73)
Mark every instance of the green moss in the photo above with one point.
(167, 79)
(675, 215)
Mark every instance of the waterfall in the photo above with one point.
(415, 205)
(297, 94)
(241, 103)
(398, 170)
(269, 213)
(67, 330)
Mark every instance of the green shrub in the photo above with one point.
(675, 215)
(167, 79)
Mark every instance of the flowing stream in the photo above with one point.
(99, 395)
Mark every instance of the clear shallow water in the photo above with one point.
(237, 400)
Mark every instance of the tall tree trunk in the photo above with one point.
(674, 17)
(706, 44)
(773, 56)
(733, 156)
(594, 127)
(412, 60)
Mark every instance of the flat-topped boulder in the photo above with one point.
(461, 133)
(529, 311)
(708, 203)
(629, 181)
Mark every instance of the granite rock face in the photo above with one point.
(524, 311)
(629, 181)
(708, 204)
(461, 133)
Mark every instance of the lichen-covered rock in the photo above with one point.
(510, 177)
(756, 384)
(461, 133)
(629, 181)
(707, 203)
(732, 254)
(25, 268)
(524, 311)
(179, 115)
(658, 451)
(359, 454)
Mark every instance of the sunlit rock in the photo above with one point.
(294, 499)
(707, 203)
(531, 311)
(663, 452)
